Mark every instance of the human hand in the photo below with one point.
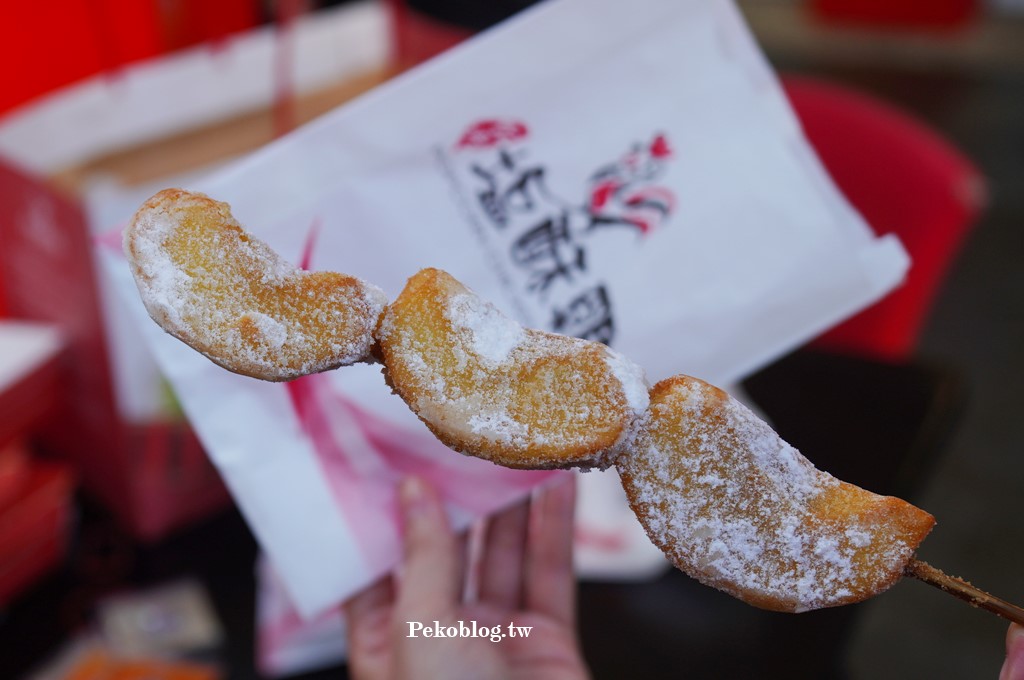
(1013, 667)
(525, 579)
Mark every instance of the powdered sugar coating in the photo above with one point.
(632, 378)
(493, 335)
(231, 297)
(738, 508)
(490, 388)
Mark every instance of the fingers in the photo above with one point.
(527, 559)
(368, 627)
(501, 569)
(430, 586)
(550, 583)
(1013, 667)
(375, 599)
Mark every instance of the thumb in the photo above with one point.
(429, 585)
(1013, 667)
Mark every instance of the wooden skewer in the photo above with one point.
(963, 590)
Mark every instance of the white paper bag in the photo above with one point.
(628, 172)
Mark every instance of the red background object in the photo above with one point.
(34, 526)
(924, 14)
(14, 471)
(155, 477)
(58, 42)
(47, 45)
(30, 399)
(904, 179)
(417, 37)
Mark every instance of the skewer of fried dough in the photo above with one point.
(737, 508)
(728, 501)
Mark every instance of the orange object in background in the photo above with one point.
(100, 665)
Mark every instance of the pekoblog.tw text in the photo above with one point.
(468, 629)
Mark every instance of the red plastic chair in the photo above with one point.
(905, 180)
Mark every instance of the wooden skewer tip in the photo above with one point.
(963, 590)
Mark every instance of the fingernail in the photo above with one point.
(411, 491)
(414, 505)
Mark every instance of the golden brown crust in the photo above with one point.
(735, 507)
(487, 387)
(229, 296)
(727, 500)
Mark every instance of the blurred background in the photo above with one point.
(120, 550)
